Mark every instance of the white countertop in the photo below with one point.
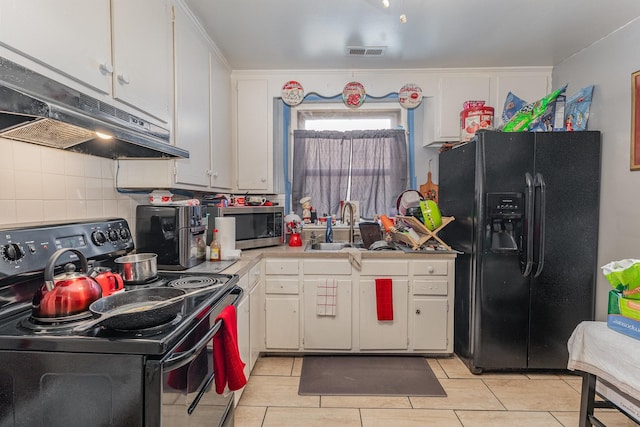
(249, 258)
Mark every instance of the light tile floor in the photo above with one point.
(270, 399)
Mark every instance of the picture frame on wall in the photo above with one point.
(635, 121)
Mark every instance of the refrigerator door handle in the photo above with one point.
(529, 224)
(539, 182)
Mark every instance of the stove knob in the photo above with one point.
(12, 252)
(113, 235)
(124, 234)
(98, 238)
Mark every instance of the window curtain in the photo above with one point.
(320, 169)
(323, 161)
(378, 170)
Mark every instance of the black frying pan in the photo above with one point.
(137, 309)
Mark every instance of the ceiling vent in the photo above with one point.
(366, 50)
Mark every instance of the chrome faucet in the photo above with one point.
(351, 208)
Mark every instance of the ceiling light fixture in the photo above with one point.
(403, 17)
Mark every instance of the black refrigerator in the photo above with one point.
(526, 208)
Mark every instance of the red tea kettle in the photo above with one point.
(109, 281)
(68, 293)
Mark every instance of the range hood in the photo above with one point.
(38, 110)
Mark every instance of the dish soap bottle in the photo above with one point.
(216, 254)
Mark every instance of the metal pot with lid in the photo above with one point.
(66, 294)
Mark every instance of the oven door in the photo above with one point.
(181, 385)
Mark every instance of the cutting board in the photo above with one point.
(429, 190)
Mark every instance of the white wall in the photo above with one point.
(45, 184)
(608, 65)
(382, 82)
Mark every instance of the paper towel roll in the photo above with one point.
(226, 234)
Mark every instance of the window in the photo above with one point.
(345, 120)
(357, 159)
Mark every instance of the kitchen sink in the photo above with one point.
(332, 246)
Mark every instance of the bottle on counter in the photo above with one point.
(216, 253)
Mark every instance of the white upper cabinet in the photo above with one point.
(221, 165)
(70, 36)
(454, 92)
(253, 135)
(442, 112)
(142, 55)
(119, 48)
(202, 119)
(192, 102)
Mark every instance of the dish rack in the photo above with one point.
(424, 233)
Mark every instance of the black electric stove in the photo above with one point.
(162, 375)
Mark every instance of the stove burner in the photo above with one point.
(61, 320)
(156, 282)
(195, 282)
(53, 325)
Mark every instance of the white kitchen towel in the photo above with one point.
(226, 235)
(355, 257)
(326, 297)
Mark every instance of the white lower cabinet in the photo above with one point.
(282, 304)
(383, 334)
(242, 313)
(256, 315)
(282, 322)
(327, 321)
(432, 306)
(430, 324)
(249, 321)
(327, 332)
(243, 332)
(242, 320)
(422, 298)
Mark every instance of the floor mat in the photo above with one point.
(368, 376)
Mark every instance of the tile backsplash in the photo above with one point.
(38, 183)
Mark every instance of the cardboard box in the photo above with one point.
(623, 315)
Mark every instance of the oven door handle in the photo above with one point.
(182, 358)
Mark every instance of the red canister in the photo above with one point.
(474, 116)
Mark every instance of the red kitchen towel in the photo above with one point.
(227, 365)
(384, 299)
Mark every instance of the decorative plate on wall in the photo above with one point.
(410, 95)
(353, 94)
(292, 93)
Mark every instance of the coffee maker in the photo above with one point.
(175, 233)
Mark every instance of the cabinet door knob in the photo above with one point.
(418, 311)
(106, 68)
(263, 179)
(122, 78)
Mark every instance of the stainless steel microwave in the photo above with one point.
(256, 226)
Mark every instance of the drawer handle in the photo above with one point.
(418, 311)
(431, 269)
(106, 68)
(123, 79)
